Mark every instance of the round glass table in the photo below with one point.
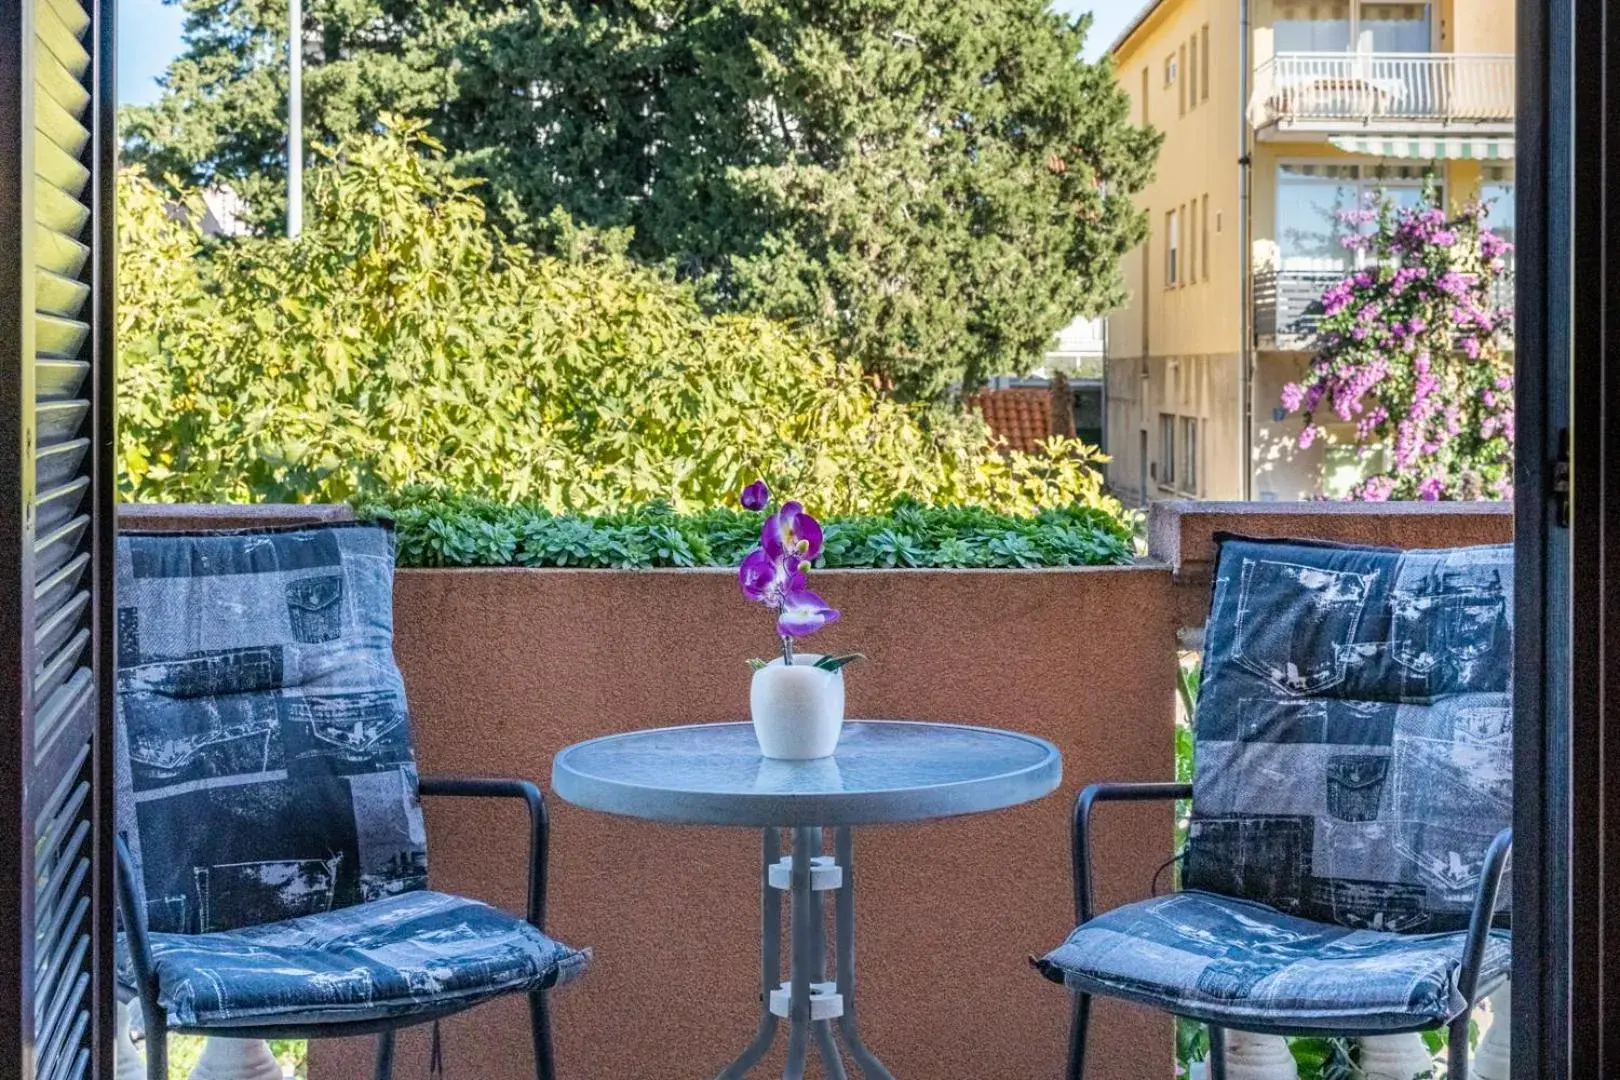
(884, 772)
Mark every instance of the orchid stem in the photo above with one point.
(787, 651)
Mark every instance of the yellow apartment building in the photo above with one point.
(1277, 114)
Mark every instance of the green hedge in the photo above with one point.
(442, 530)
(400, 340)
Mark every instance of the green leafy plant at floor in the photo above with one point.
(403, 340)
(439, 529)
(184, 1050)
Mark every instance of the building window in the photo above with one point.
(1184, 87)
(1172, 249)
(1310, 198)
(1203, 247)
(1171, 70)
(1203, 84)
(1311, 26)
(1167, 450)
(1396, 28)
(1496, 192)
(1192, 72)
(1192, 241)
(1187, 473)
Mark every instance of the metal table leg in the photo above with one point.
(770, 938)
(871, 1068)
(810, 1003)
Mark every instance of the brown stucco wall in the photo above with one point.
(505, 667)
(1181, 533)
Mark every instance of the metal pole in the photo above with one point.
(295, 117)
(1246, 355)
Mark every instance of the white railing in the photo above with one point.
(1363, 87)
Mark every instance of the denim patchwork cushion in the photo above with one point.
(1240, 964)
(263, 759)
(1353, 754)
(406, 954)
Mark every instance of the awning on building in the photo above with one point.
(1428, 148)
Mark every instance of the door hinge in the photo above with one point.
(1560, 480)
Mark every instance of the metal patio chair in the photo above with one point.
(1351, 794)
(272, 860)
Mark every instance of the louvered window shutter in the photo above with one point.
(56, 230)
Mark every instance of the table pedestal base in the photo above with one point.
(808, 1001)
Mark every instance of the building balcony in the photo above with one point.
(1327, 93)
(505, 666)
(1288, 305)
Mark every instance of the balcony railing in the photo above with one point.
(1288, 303)
(1365, 88)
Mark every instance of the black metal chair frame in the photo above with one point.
(157, 1022)
(1468, 981)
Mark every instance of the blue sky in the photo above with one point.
(149, 37)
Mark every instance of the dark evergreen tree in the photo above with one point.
(934, 186)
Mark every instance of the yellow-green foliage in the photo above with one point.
(401, 340)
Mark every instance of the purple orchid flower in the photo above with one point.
(765, 580)
(756, 496)
(791, 531)
(803, 612)
(775, 573)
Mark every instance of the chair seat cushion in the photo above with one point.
(411, 953)
(1237, 964)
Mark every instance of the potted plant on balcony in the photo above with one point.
(796, 700)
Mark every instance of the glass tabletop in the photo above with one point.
(883, 771)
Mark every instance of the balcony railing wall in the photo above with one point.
(1288, 303)
(1364, 88)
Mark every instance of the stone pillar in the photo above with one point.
(1395, 1057)
(236, 1059)
(1258, 1057)
(1491, 1055)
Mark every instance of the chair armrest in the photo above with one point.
(1479, 923)
(1096, 793)
(140, 949)
(478, 787)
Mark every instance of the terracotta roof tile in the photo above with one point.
(1024, 416)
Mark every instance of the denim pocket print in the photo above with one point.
(1294, 623)
(1459, 641)
(1355, 786)
(315, 608)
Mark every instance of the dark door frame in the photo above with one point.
(1567, 707)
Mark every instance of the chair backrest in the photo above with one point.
(263, 757)
(1353, 738)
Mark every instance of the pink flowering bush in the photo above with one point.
(1413, 351)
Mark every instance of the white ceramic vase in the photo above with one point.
(798, 710)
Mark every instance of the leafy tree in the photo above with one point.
(933, 186)
(402, 341)
(1415, 351)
